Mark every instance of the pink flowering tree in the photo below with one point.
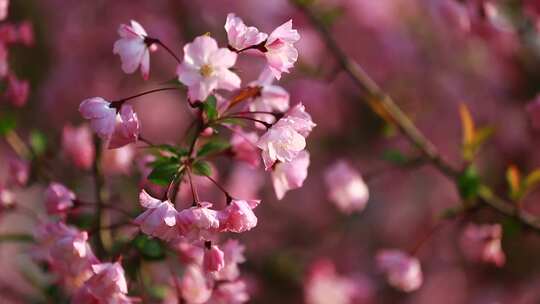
(116, 208)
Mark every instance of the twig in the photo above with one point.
(383, 105)
(98, 188)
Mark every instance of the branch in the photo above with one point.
(383, 105)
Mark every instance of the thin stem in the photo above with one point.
(118, 103)
(275, 114)
(193, 190)
(228, 196)
(98, 191)
(168, 50)
(426, 237)
(267, 125)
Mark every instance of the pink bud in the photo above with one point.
(346, 188)
(4, 5)
(58, 199)
(17, 91)
(402, 271)
(126, 129)
(19, 171)
(78, 146)
(207, 132)
(194, 287)
(102, 117)
(213, 259)
(238, 216)
(482, 243)
(133, 49)
(7, 198)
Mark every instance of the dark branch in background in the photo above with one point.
(98, 190)
(383, 105)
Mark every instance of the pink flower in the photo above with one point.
(19, 171)
(126, 129)
(4, 8)
(244, 148)
(133, 49)
(402, 271)
(67, 251)
(281, 53)
(25, 33)
(101, 115)
(159, 219)
(118, 161)
(324, 285)
(230, 293)
(78, 146)
(272, 98)
(7, 198)
(241, 36)
(233, 254)
(286, 138)
(346, 188)
(206, 68)
(214, 259)
(17, 91)
(58, 199)
(482, 243)
(188, 252)
(108, 284)
(197, 222)
(238, 216)
(291, 175)
(195, 289)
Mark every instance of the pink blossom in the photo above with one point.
(238, 216)
(272, 98)
(206, 68)
(280, 143)
(17, 91)
(281, 53)
(214, 259)
(291, 175)
(67, 251)
(25, 33)
(4, 8)
(118, 161)
(133, 49)
(241, 36)
(230, 293)
(286, 138)
(233, 254)
(402, 271)
(101, 115)
(188, 252)
(244, 148)
(194, 287)
(324, 285)
(346, 188)
(78, 146)
(108, 284)
(159, 219)
(19, 171)
(197, 222)
(58, 199)
(7, 198)
(126, 129)
(482, 243)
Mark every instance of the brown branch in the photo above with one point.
(383, 105)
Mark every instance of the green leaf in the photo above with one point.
(212, 147)
(395, 157)
(149, 248)
(8, 123)
(210, 108)
(163, 173)
(173, 149)
(202, 168)
(38, 142)
(469, 183)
